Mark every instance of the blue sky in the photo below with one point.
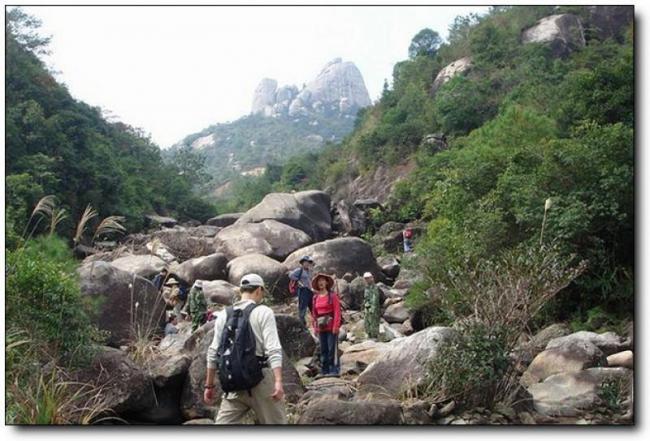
(175, 70)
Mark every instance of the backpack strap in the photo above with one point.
(300, 276)
(248, 310)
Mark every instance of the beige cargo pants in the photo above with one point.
(267, 411)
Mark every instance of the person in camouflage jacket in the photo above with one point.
(196, 305)
(371, 306)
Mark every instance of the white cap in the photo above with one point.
(251, 280)
(367, 274)
(198, 283)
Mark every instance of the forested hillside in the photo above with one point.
(56, 145)
(526, 123)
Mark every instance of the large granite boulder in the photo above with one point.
(126, 387)
(220, 292)
(356, 358)
(274, 273)
(126, 304)
(572, 357)
(270, 238)
(308, 211)
(211, 267)
(191, 402)
(353, 296)
(528, 350)
(389, 265)
(145, 266)
(563, 33)
(396, 313)
(451, 70)
(156, 248)
(154, 220)
(294, 337)
(339, 256)
(264, 97)
(608, 342)
(204, 231)
(338, 79)
(224, 220)
(369, 412)
(404, 362)
(182, 244)
(348, 219)
(621, 359)
(572, 393)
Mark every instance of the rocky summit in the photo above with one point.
(338, 88)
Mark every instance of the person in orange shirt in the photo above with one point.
(327, 322)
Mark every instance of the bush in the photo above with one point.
(492, 302)
(472, 368)
(43, 299)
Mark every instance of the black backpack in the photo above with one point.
(239, 367)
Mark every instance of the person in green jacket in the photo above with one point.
(371, 306)
(197, 306)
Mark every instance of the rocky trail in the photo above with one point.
(563, 375)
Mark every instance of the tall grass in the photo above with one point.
(88, 214)
(46, 400)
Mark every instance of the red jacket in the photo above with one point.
(323, 306)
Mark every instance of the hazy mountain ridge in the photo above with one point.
(284, 122)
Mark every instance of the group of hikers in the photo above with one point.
(245, 353)
(190, 306)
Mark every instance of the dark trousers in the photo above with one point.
(328, 357)
(305, 296)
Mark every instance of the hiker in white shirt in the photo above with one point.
(267, 397)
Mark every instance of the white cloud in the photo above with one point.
(175, 70)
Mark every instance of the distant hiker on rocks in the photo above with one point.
(171, 295)
(172, 322)
(196, 305)
(160, 279)
(327, 322)
(246, 349)
(299, 284)
(407, 236)
(371, 306)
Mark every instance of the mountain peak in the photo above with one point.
(338, 88)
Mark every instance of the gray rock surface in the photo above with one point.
(404, 362)
(572, 357)
(224, 220)
(220, 292)
(294, 337)
(156, 220)
(273, 272)
(448, 72)
(126, 387)
(145, 265)
(563, 33)
(211, 267)
(338, 256)
(396, 313)
(308, 211)
(270, 238)
(264, 97)
(608, 342)
(339, 87)
(571, 393)
(116, 294)
(370, 412)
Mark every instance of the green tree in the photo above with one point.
(426, 42)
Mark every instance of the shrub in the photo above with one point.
(492, 302)
(43, 299)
